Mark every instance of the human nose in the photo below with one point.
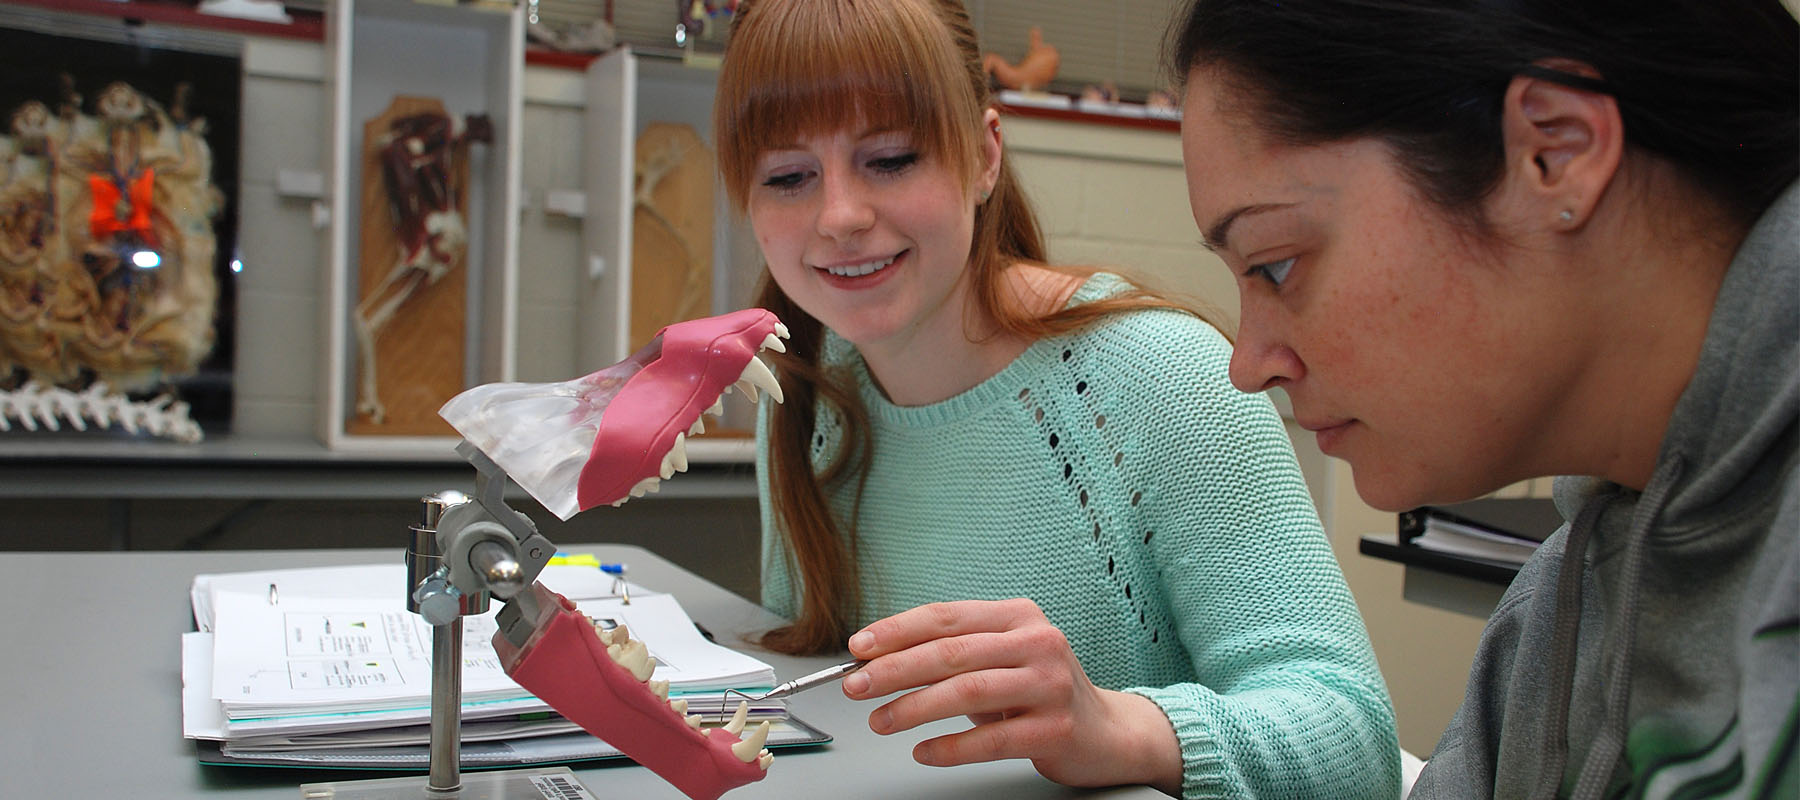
(1261, 358)
(845, 211)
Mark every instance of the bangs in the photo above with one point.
(806, 67)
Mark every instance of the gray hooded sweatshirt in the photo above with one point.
(1651, 648)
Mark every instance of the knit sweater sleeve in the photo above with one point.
(1290, 702)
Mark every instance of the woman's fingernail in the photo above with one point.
(857, 683)
(863, 640)
(881, 721)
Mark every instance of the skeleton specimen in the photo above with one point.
(419, 157)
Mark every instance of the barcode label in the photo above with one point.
(557, 787)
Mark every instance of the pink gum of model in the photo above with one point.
(699, 360)
(565, 664)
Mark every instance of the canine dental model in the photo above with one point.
(600, 680)
(619, 432)
(605, 438)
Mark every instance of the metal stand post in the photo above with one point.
(430, 595)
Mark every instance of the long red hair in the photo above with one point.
(797, 67)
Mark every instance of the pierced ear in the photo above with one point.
(1563, 144)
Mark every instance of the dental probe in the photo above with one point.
(819, 678)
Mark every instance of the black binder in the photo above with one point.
(1532, 519)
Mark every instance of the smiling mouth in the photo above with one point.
(859, 270)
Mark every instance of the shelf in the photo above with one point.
(104, 467)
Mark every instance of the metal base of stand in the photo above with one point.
(541, 783)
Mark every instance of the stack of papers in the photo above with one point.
(326, 667)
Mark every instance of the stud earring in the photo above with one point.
(984, 195)
(1566, 215)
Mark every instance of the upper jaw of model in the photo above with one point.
(618, 433)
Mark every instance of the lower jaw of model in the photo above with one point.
(600, 680)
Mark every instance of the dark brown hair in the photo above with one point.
(1709, 86)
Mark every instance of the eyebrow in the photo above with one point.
(1216, 233)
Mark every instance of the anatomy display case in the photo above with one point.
(420, 295)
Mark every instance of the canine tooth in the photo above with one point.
(763, 760)
(781, 330)
(773, 342)
(748, 749)
(667, 469)
(680, 705)
(693, 721)
(758, 373)
(660, 689)
(736, 725)
(748, 388)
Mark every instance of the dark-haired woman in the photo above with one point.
(1029, 494)
(1484, 241)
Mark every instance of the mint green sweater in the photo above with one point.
(1158, 517)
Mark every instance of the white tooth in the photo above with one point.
(748, 749)
(634, 657)
(667, 470)
(620, 634)
(773, 342)
(680, 705)
(603, 634)
(748, 388)
(781, 330)
(736, 725)
(646, 486)
(758, 373)
(698, 427)
(718, 407)
(763, 760)
(693, 721)
(677, 456)
(660, 689)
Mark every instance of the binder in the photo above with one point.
(1501, 531)
(1529, 519)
